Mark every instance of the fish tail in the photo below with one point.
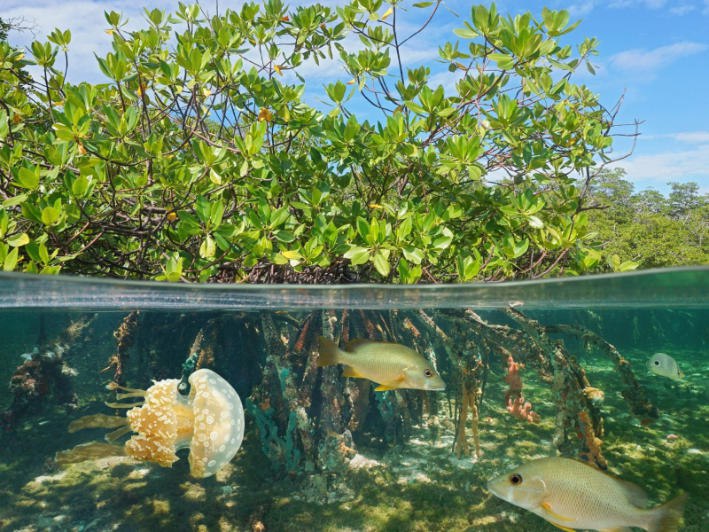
(668, 517)
(328, 352)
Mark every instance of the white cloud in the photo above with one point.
(651, 4)
(649, 61)
(685, 137)
(682, 9)
(674, 7)
(685, 165)
(86, 21)
(581, 9)
(692, 137)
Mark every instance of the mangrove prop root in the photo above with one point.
(303, 335)
(573, 421)
(124, 335)
(468, 405)
(578, 417)
(633, 393)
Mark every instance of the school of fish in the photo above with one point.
(569, 494)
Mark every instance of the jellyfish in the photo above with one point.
(209, 421)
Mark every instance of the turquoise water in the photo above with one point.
(325, 452)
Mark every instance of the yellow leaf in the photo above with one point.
(387, 13)
(291, 254)
(265, 115)
(278, 69)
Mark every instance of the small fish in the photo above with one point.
(390, 365)
(572, 495)
(664, 365)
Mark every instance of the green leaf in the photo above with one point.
(80, 185)
(18, 240)
(51, 216)
(442, 242)
(535, 222)
(413, 254)
(404, 229)
(4, 222)
(468, 267)
(292, 254)
(504, 61)
(14, 201)
(4, 127)
(172, 270)
(357, 255)
(284, 236)
(520, 248)
(467, 32)
(11, 260)
(28, 177)
(381, 262)
(214, 177)
(208, 248)
(362, 227)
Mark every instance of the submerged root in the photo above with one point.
(88, 451)
(116, 434)
(96, 421)
(130, 392)
(136, 393)
(122, 405)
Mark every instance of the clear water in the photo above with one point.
(324, 452)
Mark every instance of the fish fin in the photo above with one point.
(668, 517)
(349, 371)
(636, 495)
(327, 350)
(394, 385)
(566, 528)
(547, 508)
(358, 342)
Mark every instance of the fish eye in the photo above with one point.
(657, 362)
(516, 479)
(428, 372)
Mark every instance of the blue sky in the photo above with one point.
(654, 52)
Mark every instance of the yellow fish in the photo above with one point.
(572, 495)
(666, 366)
(390, 365)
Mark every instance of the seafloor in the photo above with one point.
(420, 486)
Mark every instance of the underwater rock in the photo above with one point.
(43, 374)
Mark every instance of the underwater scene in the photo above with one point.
(573, 404)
